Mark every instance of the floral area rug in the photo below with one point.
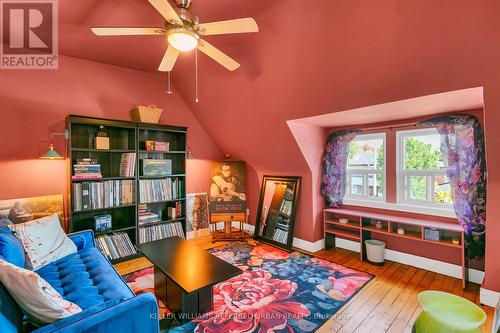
(277, 292)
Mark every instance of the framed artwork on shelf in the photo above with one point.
(102, 222)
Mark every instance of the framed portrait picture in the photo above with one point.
(228, 187)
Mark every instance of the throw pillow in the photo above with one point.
(38, 299)
(44, 240)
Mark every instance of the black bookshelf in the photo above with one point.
(126, 137)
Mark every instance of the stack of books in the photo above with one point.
(116, 245)
(86, 168)
(280, 235)
(158, 190)
(146, 216)
(160, 231)
(104, 194)
(127, 165)
(286, 207)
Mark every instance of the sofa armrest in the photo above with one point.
(83, 239)
(137, 314)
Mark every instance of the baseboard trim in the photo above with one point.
(308, 246)
(437, 266)
(489, 297)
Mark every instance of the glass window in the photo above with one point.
(366, 167)
(422, 176)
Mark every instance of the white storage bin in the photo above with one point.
(375, 250)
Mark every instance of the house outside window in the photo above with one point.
(366, 167)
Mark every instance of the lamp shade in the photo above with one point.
(51, 154)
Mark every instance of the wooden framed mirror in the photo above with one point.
(276, 214)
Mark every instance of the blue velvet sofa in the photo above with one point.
(88, 279)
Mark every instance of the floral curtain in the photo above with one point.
(462, 145)
(334, 166)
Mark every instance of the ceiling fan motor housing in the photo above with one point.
(183, 3)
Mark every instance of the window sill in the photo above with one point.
(400, 207)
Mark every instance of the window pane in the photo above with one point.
(422, 152)
(375, 186)
(366, 154)
(357, 184)
(418, 187)
(442, 189)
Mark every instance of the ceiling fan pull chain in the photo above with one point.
(196, 75)
(169, 87)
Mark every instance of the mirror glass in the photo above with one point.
(277, 206)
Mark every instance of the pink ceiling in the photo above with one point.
(139, 52)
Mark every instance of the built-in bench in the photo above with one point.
(361, 225)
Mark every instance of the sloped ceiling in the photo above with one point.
(309, 58)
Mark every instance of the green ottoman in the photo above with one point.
(447, 313)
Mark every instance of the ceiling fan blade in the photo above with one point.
(126, 31)
(217, 55)
(166, 10)
(236, 26)
(169, 59)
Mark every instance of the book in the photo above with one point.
(115, 245)
(102, 194)
(127, 165)
(86, 168)
(158, 190)
(160, 231)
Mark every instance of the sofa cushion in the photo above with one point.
(44, 240)
(34, 295)
(11, 248)
(85, 278)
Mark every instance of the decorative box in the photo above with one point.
(150, 145)
(432, 234)
(101, 142)
(157, 145)
(156, 167)
(161, 146)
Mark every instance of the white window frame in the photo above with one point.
(366, 172)
(402, 175)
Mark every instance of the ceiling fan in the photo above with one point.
(183, 30)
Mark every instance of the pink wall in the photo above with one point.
(34, 103)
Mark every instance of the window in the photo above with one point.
(366, 167)
(421, 175)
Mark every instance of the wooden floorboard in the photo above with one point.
(388, 303)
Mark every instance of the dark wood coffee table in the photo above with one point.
(185, 274)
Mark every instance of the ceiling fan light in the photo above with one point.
(183, 40)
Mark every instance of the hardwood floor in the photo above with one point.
(387, 304)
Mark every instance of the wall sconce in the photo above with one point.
(52, 154)
(190, 155)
